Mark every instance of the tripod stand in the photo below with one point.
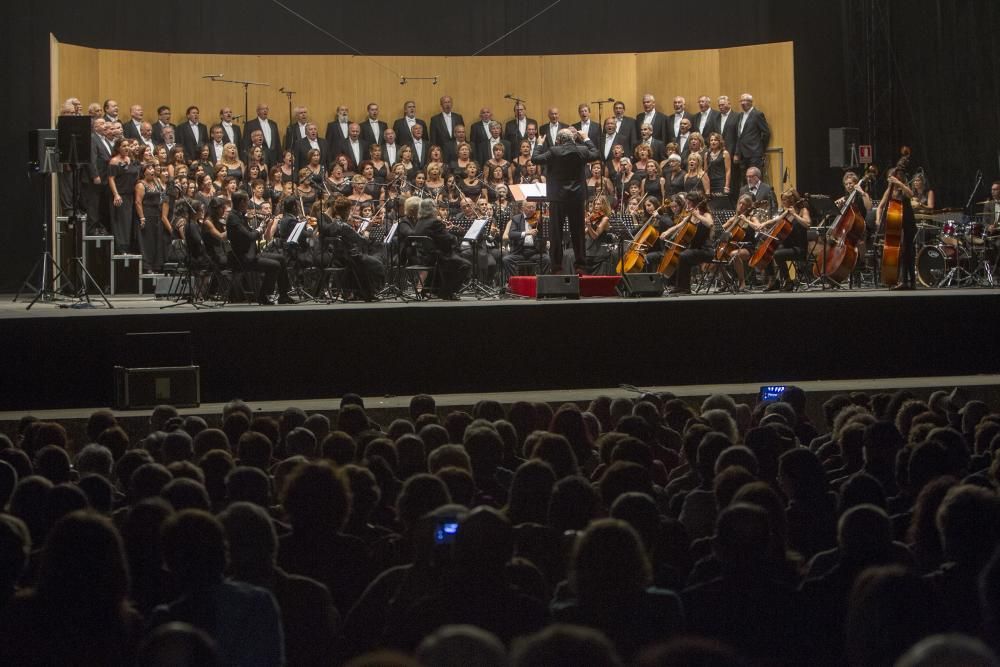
(50, 272)
(476, 286)
(393, 289)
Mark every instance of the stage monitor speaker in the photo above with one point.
(74, 139)
(558, 287)
(42, 154)
(842, 140)
(143, 388)
(642, 284)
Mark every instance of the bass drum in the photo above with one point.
(935, 261)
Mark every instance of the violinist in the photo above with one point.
(597, 183)
(793, 248)
(298, 254)
(306, 190)
(898, 190)
(698, 250)
(746, 220)
(521, 233)
(342, 246)
(596, 226)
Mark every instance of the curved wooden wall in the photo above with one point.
(324, 82)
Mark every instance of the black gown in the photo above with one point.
(716, 169)
(154, 238)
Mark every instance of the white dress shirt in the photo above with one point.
(265, 128)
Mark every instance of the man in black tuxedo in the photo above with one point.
(656, 147)
(169, 138)
(725, 124)
(626, 127)
(706, 120)
(243, 241)
(269, 133)
(674, 120)
(450, 148)
(566, 189)
(480, 131)
(452, 269)
(525, 246)
(443, 124)
(517, 128)
(355, 148)
(402, 125)
(753, 135)
(390, 147)
(231, 130)
(336, 130)
(656, 119)
(271, 156)
(587, 125)
(192, 134)
(373, 129)
(484, 151)
(421, 148)
(297, 129)
(683, 137)
(612, 137)
(146, 136)
(312, 141)
(133, 126)
(96, 196)
(163, 114)
(758, 189)
(549, 131)
(216, 144)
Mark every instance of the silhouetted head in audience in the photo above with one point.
(558, 453)
(255, 450)
(968, 521)
(83, 569)
(148, 480)
(889, 609)
(574, 504)
(420, 495)
(483, 545)
(18, 460)
(421, 404)
(94, 460)
(99, 492)
(950, 650)
(801, 475)
(448, 456)
(639, 511)
(317, 498)
(248, 484)
(859, 489)
(864, 533)
(183, 493)
(742, 537)
(691, 652)
(98, 421)
(564, 645)
(194, 549)
(30, 503)
(352, 420)
(461, 645)
(178, 645)
(52, 463)
(8, 480)
(623, 477)
(15, 546)
(530, 492)
(253, 543)
(728, 482)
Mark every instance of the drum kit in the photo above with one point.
(954, 249)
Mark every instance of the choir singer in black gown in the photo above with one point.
(566, 190)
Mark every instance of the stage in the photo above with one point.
(63, 358)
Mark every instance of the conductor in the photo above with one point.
(566, 189)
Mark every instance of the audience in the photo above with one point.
(646, 532)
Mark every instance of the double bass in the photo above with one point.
(841, 252)
(892, 228)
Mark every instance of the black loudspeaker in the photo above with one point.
(74, 139)
(558, 287)
(141, 388)
(842, 139)
(42, 153)
(641, 284)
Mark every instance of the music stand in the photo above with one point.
(474, 236)
(392, 290)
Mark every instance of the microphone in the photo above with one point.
(507, 96)
(784, 178)
(213, 76)
(237, 116)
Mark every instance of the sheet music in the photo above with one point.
(475, 230)
(297, 231)
(524, 191)
(391, 235)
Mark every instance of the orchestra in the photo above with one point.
(698, 182)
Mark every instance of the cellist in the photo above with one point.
(899, 191)
(699, 249)
(796, 211)
(745, 218)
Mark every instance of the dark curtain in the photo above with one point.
(939, 92)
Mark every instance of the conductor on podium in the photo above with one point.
(566, 190)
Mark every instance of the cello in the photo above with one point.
(780, 228)
(634, 258)
(676, 245)
(841, 252)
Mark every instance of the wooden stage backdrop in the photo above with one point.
(325, 81)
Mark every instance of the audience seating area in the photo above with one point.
(649, 532)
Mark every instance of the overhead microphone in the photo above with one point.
(213, 76)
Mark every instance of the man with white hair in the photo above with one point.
(566, 189)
